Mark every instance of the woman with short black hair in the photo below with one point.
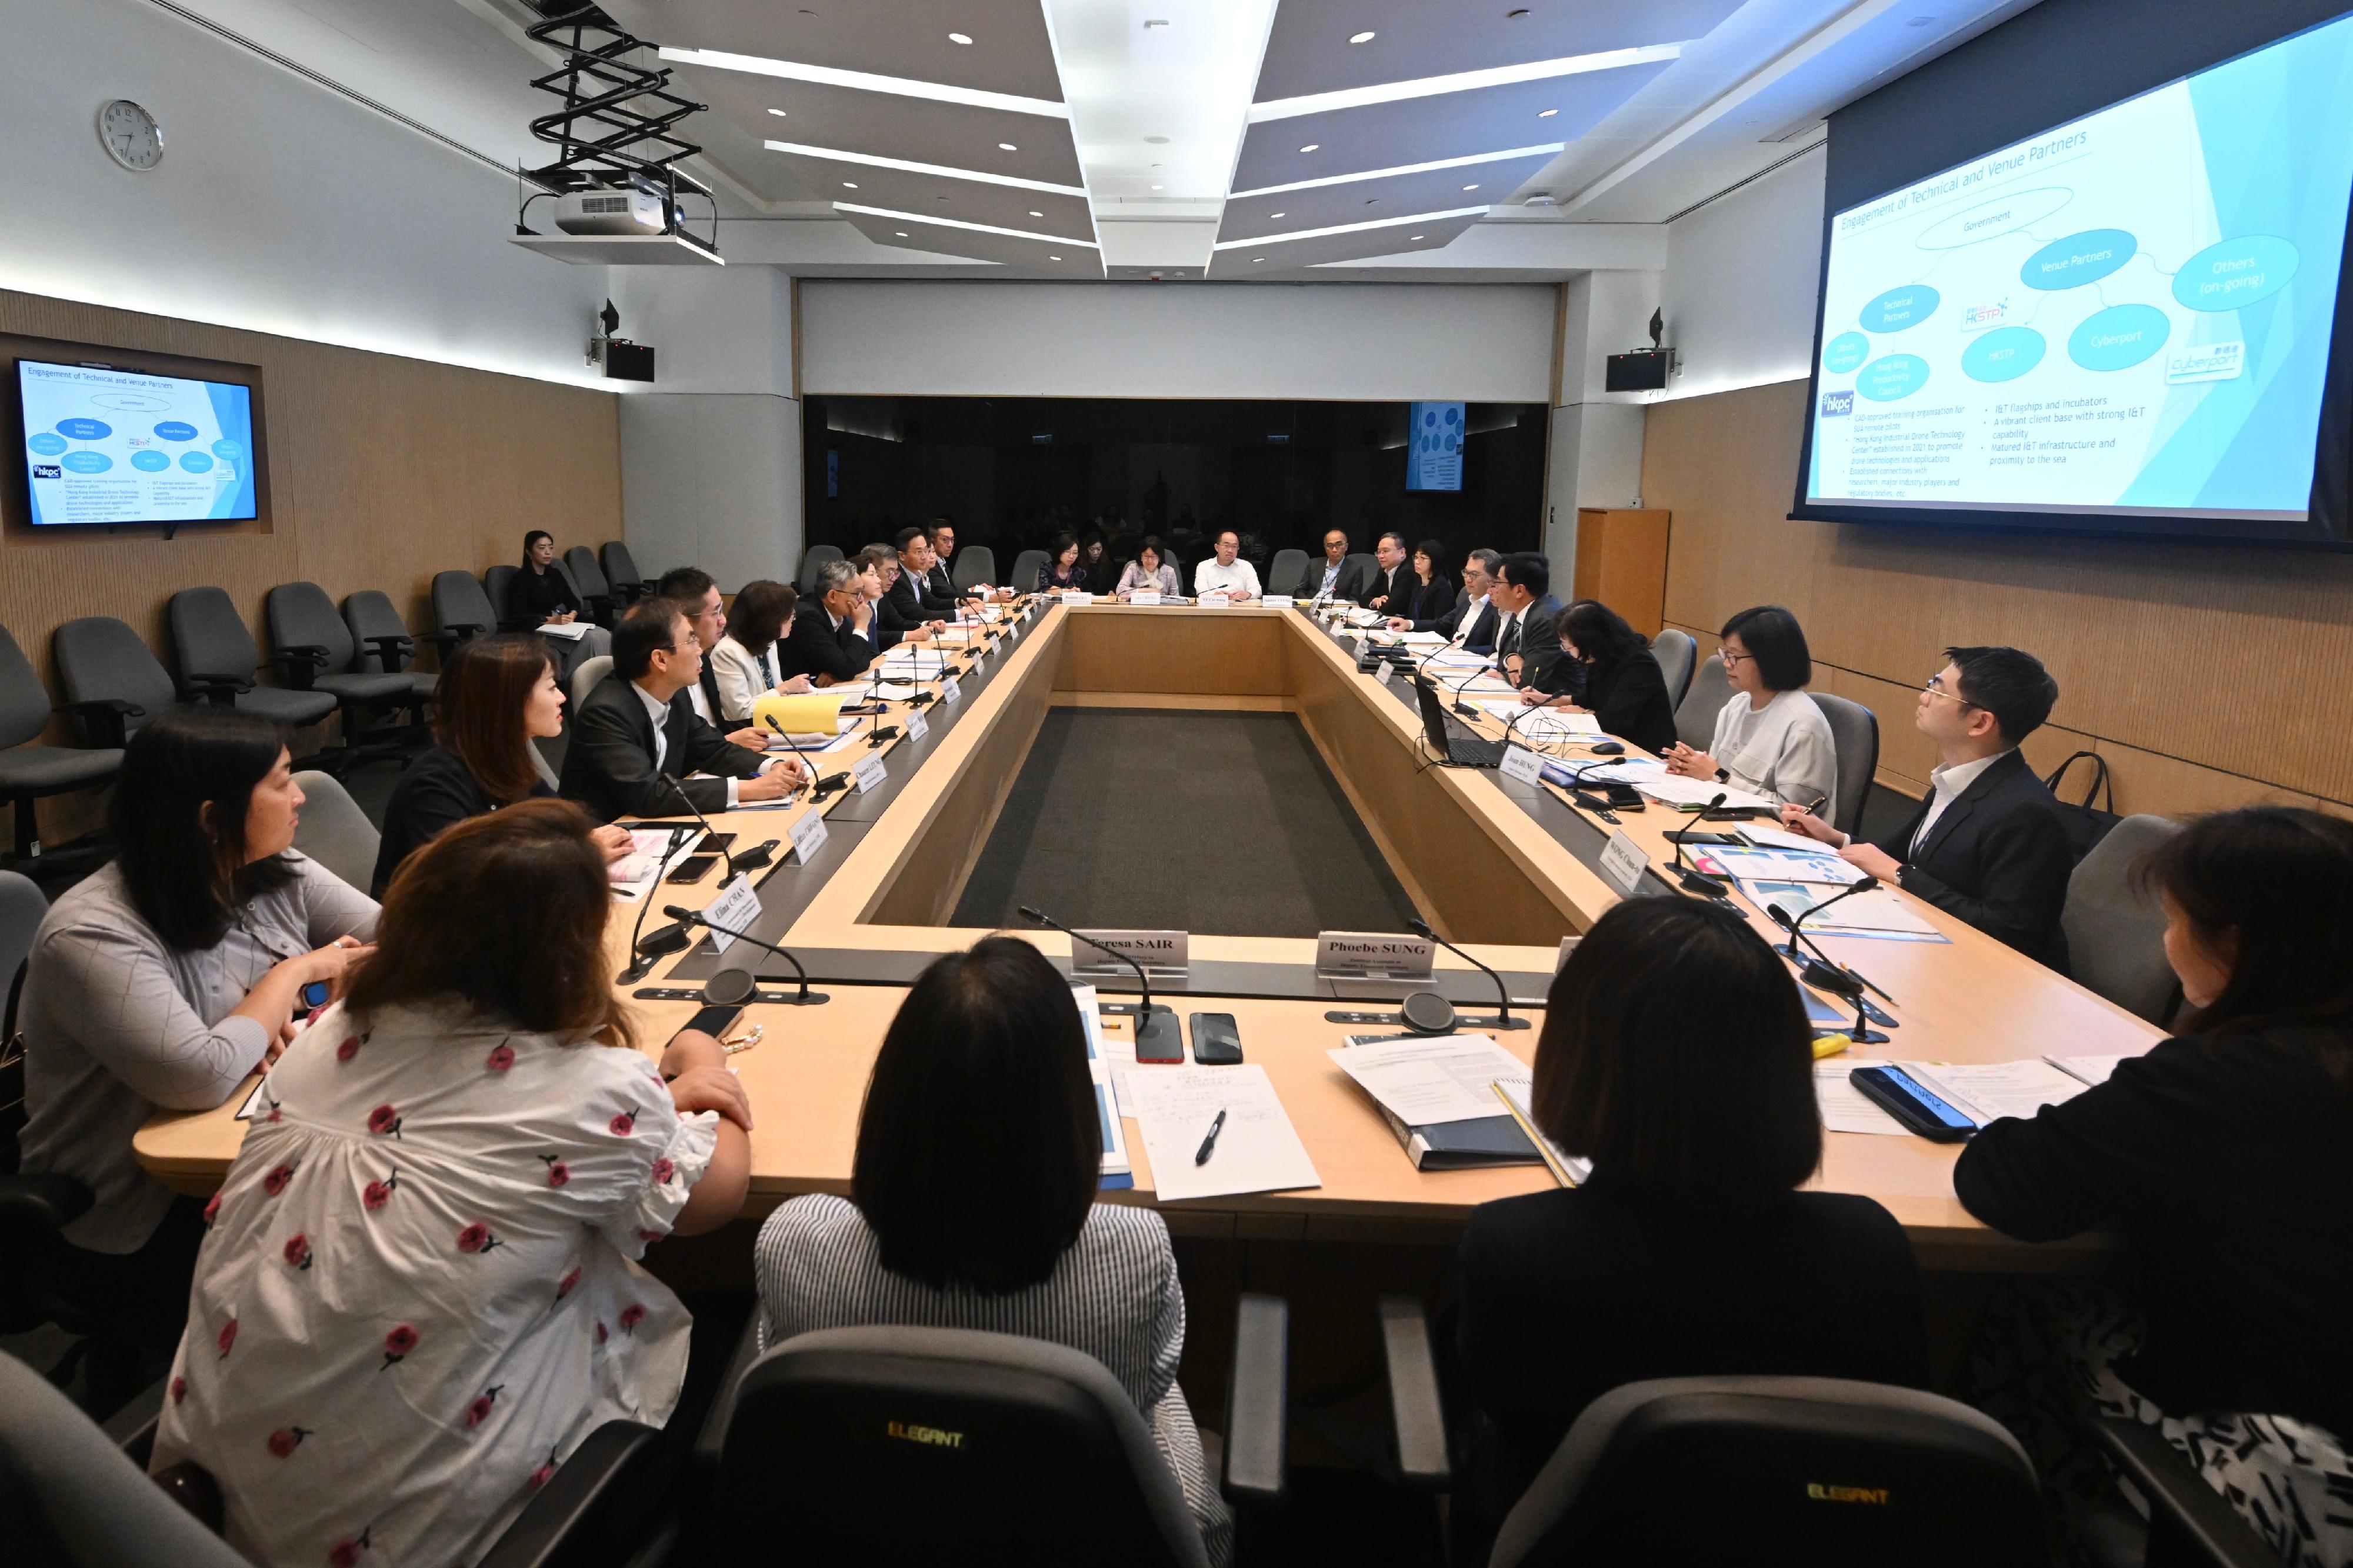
(1676, 1057)
(972, 1201)
(1770, 738)
(1062, 573)
(1432, 595)
(1624, 687)
(744, 665)
(161, 981)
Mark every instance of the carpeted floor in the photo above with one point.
(1221, 823)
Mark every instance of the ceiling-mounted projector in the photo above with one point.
(607, 211)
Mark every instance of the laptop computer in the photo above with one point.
(1468, 752)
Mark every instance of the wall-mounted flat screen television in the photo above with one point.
(107, 446)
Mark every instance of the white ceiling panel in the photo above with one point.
(970, 201)
(1424, 129)
(1038, 258)
(1325, 206)
(1308, 50)
(1258, 259)
(1010, 50)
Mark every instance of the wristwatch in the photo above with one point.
(1723, 775)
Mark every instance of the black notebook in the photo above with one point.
(1457, 1145)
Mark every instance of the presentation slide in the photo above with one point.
(1435, 433)
(111, 446)
(2129, 314)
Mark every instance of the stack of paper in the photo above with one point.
(1845, 1108)
(1987, 1091)
(2092, 1070)
(1257, 1149)
(1675, 790)
(1426, 1081)
(1879, 913)
(1820, 864)
(1567, 1168)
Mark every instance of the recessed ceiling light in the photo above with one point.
(1311, 146)
(847, 185)
(959, 38)
(777, 112)
(1159, 187)
(937, 222)
(1006, 147)
(1033, 211)
(1156, 22)
(1257, 258)
(1358, 177)
(1458, 82)
(1470, 187)
(908, 165)
(1416, 236)
(867, 81)
(1157, 140)
(1054, 258)
(1369, 223)
(1546, 114)
(1361, 38)
(1274, 214)
(899, 231)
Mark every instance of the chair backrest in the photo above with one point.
(1854, 730)
(302, 615)
(209, 637)
(1677, 653)
(458, 601)
(580, 565)
(495, 583)
(1030, 562)
(975, 564)
(73, 1499)
(1788, 1469)
(584, 679)
(370, 613)
(334, 831)
(1361, 564)
(620, 566)
(1710, 689)
(947, 1445)
(1288, 572)
(21, 905)
(23, 700)
(2116, 933)
(98, 658)
(815, 556)
(543, 768)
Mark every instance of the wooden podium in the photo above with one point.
(1622, 560)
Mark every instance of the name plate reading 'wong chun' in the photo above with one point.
(1374, 955)
(1158, 951)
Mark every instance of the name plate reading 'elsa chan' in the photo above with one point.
(1521, 763)
(1374, 955)
(808, 833)
(917, 725)
(1623, 861)
(736, 908)
(1158, 951)
(1144, 597)
(869, 772)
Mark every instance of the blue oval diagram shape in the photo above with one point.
(226, 448)
(84, 429)
(2119, 337)
(1452, 415)
(148, 462)
(48, 443)
(2078, 259)
(2236, 272)
(1899, 308)
(195, 462)
(1845, 353)
(88, 462)
(176, 430)
(2003, 354)
(1896, 375)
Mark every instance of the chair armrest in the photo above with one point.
(33, 1202)
(1257, 1400)
(300, 664)
(450, 637)
(1417, 1414)
(710, 1443)
(2179, 1501)
(564, 1513)
(220, 691)
(132, 1427)
(392, 652)
(101, 719)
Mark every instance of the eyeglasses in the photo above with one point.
(1933, 689)
(1731, 657)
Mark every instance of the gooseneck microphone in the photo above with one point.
(1502, 1018)
(1693, 878)
(1792, 926)
(644, 949)
(1818, 971)
(1153, 1024)
(733, 987)
(709, 832)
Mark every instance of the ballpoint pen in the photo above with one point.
(1209, 1145)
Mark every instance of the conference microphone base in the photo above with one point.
(1475, 1023)
(1160, 1029)
(765, 998)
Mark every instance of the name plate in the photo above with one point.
(1567, 946)
(1217, 598)
(808, 835)
(1155, 949)
(1078, 598)
(869, 772)
(1142, 597)
(1384, 671)
(917, 725)
(737, 908)
(1521, 763)
(1278, 601)
(951, 690)
(1623, 862)
(1374, 955)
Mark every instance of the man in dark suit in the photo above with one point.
(1525, 608)
(637, 736)
(697, 593)
(1469, 624)
(1987, 845)
(831, 638)
(919, 594)
(1391, 589)
(1335, 576)
(878, 578)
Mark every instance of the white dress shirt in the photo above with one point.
(1209, 577)
(1472, 611)
(658, 711)
(1330, 579)
(1948, 785)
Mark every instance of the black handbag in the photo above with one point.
(2086, 823)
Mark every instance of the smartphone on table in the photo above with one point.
(1217, 1041)
(694, 868)
(715, 843)
(1913, 1103)
(715, 1021)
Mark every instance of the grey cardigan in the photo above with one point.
(118, 1025)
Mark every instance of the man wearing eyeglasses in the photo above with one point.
(1988, 844)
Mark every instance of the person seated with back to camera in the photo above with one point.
(420, 1292)
(972, 1203)
(1676, 1057)
(2223, 1161)
(1988, 844)
(1770, 738)
(1625, 689)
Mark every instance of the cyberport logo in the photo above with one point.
(1836, 404)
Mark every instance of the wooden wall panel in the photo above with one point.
(2207, 675)
(381, 472)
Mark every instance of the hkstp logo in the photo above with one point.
(1834, 404)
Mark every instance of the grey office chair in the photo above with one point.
(545, 769)
(2116, 933)
(218, 659)
(975, 566)
(1287, 574)
(815, 556)
(112, 683)
(334, 831)
(1678, 655)
(596, 592)
(621, 572)
(1361, 564)
(28, 772)
(1854, 730)
(383, 642)
(1030, 562)
(462, 610)
(584, 679)
(1695, 715)
(319, 651)
(495, 583)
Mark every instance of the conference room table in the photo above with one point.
(1504, 868)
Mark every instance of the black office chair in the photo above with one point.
(461, 611)
(1288, 573)
(1026, 567)
(218, 659)
(385, 646)
(2189, 1524)
(815, 556)
(1855, 734)
(621, 572)
(319, 653)
(111, 682)
(953, 1445)
(29, 772)
(496, 580)
(596, 592)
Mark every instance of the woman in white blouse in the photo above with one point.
(420, 1290)
(745, 662)
(1770, 738)
(1149, 572)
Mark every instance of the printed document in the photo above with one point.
(1423, 1082)
(1257, 1150)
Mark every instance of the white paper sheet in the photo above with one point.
(1423, 1082)
(2092, 1070)
(1677, 790)
(1879, 912)
(1816, 865)
(1987, 1091)
(1258, 1150)
(1844, 1109)
(1779, 838)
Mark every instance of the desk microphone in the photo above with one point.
(644, 949)
(733, 987)
(1502, 1018)
(1818, 969)
(1457, 688)
(794, 746)
(1154, 1025)
(1693, 878)
(709, 832)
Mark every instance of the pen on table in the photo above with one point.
(1209, 1145)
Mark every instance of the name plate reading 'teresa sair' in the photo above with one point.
(1158, 951)
(1374, 955)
